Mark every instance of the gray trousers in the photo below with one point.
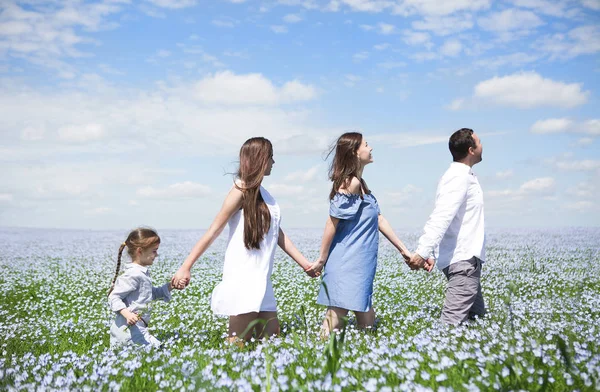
(463, 293)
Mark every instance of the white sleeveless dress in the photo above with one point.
(246, 286)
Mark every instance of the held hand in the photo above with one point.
(406, 256)
(314, 270)
(310, 272)
(131, 317)
(416, 262)
(181, 278)
(429, 264)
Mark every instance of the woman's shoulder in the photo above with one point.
(352, 187)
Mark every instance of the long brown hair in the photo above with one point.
(141, 237)
(345, 163)
(254, 159)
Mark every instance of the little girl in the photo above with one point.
(131, 292)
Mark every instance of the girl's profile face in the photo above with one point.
(364, 153)
(146, 256)
(270, 164)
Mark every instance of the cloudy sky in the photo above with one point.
(118, 113)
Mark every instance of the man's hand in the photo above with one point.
(416, 261)
(429, 264)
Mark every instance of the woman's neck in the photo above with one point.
(359, 172)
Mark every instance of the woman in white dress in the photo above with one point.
(246, 293)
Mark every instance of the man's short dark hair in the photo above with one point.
(459, 143)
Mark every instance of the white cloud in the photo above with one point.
(424, 56)
(553, 8)
(279, 29)
(391, 64)
(304, 175)
(537, 187)
(81, 133)
(381, 46)
(552, 125)
(510, 20)
(182, 190)
(401, 197)
(439, 8)
(202, 55)
(582, 205)
(172, 116)
(43, 33)
(98, 211)
(444, 25)
(367, 5)
(351, 79)
(250, 89)
(292, 18)
(280, 190)
(563, 125)
(457, 104)
(504, 174)
(33, 133)
(584, 141)
(583, 165)
(583, 40)
(416, 38)
(385, 28)
(591, 127)
(510, 60)
(528, 90)
(380, 28)
(361, 56)
(591, 4)
(451, 48)
(404, 140)
(225, 22)
(173, 4)
(5, 197)
(582, 190)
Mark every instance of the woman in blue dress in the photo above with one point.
(351, 239)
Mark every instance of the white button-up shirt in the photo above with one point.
(133, 290)
(455, 229)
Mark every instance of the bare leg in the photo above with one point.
(365, 319)
(270, 328)
(238, 325)
(334, 319)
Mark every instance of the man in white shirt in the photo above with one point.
(455, 234)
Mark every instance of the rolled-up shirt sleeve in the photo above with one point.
(161, 292)
(450, 196)
(124, 285)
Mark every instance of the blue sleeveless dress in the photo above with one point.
(350, 269)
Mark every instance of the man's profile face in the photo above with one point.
(478, 150)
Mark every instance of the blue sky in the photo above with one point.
(117, 113)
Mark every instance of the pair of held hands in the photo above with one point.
(414, 261)
(182, 278)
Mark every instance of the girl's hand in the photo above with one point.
(406, 255)
(315, 268)
(181, 279)
(310, 272)
(131, 317)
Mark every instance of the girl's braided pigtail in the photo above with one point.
(112, 286)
